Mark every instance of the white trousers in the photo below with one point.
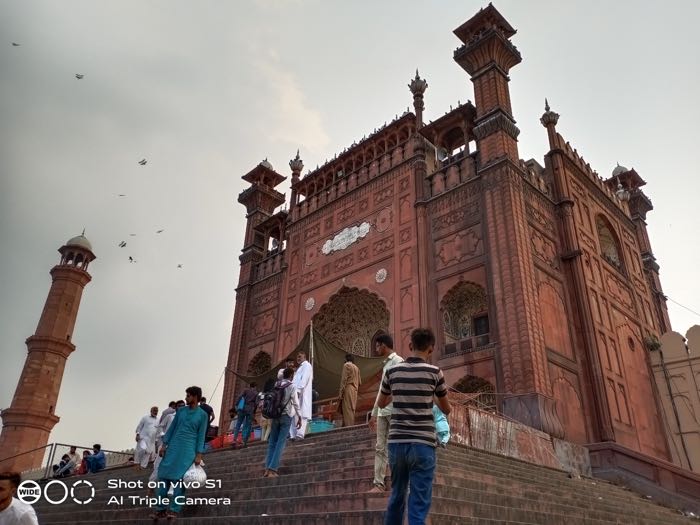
(298, 433)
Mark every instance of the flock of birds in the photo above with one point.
(142, 162)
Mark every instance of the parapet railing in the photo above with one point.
(53, 452)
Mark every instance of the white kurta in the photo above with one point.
(147, 429)
(303, 378)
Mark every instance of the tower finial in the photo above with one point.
(546, 104)
(418, 86)
(83, 234)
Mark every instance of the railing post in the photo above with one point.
(50, 461)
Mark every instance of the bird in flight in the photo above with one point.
(79, 76)
(131, 259)
(132, 235)
(122, 195)
(15, 44)
(122, 244)
(160, 231)
(179, 266)
(143, 162)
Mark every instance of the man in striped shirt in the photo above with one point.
(412, 386)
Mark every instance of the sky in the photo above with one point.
(206, 90)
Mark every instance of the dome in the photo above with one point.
(266, 164)
(80, 241)
(619, 170)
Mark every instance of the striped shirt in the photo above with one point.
(412, 385)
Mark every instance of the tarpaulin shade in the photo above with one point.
(327, 362)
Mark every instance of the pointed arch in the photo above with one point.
(464, 313)
(351, 319)
(610, 248)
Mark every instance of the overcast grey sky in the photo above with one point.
(205, 90)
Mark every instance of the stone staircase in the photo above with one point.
(325, 479)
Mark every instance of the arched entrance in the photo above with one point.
(351, 319)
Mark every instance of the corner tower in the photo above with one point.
(28, 422)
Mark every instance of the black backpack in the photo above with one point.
(272, 405)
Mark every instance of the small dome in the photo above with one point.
(619, 170)
(80, 241)
(267, 164)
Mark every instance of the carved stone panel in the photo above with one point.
(263, 324)
(406, 265)
(406, 304)
(384, 220)
(544, 249)
(383, 195)
(405, 209)
(456, 218)
(312, 232)
(619, 291)
(459, 247)
(383, 245)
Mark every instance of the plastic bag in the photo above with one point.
(195, 474)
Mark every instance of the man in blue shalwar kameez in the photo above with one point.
(183, 444)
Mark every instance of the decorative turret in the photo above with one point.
(418, 86)
(296, 165)
(487, 55)
(549, 120)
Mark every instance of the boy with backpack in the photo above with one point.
(279, 406)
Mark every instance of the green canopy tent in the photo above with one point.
(327, 360)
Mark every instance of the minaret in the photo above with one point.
(260, 199)
(30, 418)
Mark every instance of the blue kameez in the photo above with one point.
(185, 439)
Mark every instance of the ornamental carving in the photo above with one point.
(351, 319)
(328, 223)
(364, 203)
(403, 184)
(460, 216)
(384, 220)
(383, 245)
(496, 123)
(309, 304)
(264, 323)
(458, 308)
(343, 263)
(309, 278)
(346, 214)
(543, 221)
(544, 249)
(312, 231)
(404, 235)
(383, 195)
(265, 299)
(458, 247)
(345, 238)
(381, 275)
(618, 290)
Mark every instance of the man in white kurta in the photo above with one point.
(163, 426)
(146, 435)
(303, 379)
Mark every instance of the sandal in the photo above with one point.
(158, 515)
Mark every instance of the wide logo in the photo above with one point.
(80, 491)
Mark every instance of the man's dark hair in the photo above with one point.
(195, 391)
(252, 384)
(288, 373)
(14, 477)
(349, 358)
(202, 399)
(97, 447)
(289, 360)
(422, 338)
(386, 340)
(172, 404)
(180, 402)
(232, 412)
(302, 352)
